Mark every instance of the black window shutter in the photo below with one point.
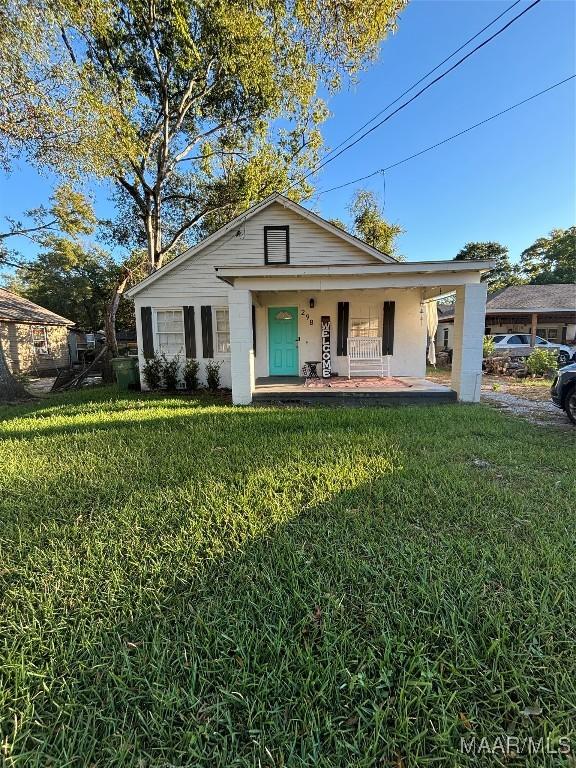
(207, 337)
(254, 329)
(147, 334)
(342, 330)
(388, 328)
(189, 332)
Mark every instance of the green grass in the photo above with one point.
(188, 584)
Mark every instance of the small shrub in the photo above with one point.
(488, 345)
(191, 369)
(152, 372)
(170, 372)
(542, 362)
(213, 375)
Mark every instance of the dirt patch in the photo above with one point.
(535, 411)
(39, 385)
(527, 398)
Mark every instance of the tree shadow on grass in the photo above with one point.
(327, 619)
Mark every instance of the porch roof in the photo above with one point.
(418, 274)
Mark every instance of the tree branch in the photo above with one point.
(26, 231)
(189, 224)
(134, 193)
(68, 45)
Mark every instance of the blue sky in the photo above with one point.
(511, 181)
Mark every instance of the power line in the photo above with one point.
(414, 85)
(347, 183)
(449, 138)
(416, 95)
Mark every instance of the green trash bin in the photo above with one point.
(126, 372)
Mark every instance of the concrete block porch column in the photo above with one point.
(469, 320)
(241, 347)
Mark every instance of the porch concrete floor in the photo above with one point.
(399, 390)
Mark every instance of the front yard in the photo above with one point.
(188, 584)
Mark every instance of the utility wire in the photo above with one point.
(417, 83)
(416, 95)
(449, 138)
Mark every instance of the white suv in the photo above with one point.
(517, 340)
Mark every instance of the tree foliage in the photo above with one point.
(69, 213)
(370, 225)
(69, 278)
(41, 115)
(196, 109)
(503, 274)
(551, 259)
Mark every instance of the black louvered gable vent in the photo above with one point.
(276, 245)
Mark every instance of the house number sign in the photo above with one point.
(305, 314)
(326, 362)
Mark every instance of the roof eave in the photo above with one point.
(228, 273)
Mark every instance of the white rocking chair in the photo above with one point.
(365, 357)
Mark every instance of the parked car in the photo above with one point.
(564, 390)
(516, 340)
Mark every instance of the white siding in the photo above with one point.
(309, 244)
(440, 335)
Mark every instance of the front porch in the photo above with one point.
(338, 390)
(295, 317)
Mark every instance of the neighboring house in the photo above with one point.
(34, 339)
(127, 341)
(548, 311)
(279, 286)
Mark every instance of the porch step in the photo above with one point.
(354, 398)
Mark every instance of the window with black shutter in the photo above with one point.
(276, 245)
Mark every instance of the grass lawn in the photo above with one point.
(188, 584)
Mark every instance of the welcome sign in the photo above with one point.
(326, 361)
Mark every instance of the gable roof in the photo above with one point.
(559, 297)
(16, 309)
(242, 218)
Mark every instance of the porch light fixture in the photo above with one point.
(311, 303)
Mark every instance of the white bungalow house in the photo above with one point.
(279, 287)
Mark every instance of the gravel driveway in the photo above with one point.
(540, 412)
(529, 400)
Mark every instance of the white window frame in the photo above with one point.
(157, 332)
(544, 333)
(372, 318)
(40, 350)
(215, 331)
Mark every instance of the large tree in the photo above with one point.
(503, 274)
(551, 259)
(196, 109)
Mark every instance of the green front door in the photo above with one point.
(283, 341)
